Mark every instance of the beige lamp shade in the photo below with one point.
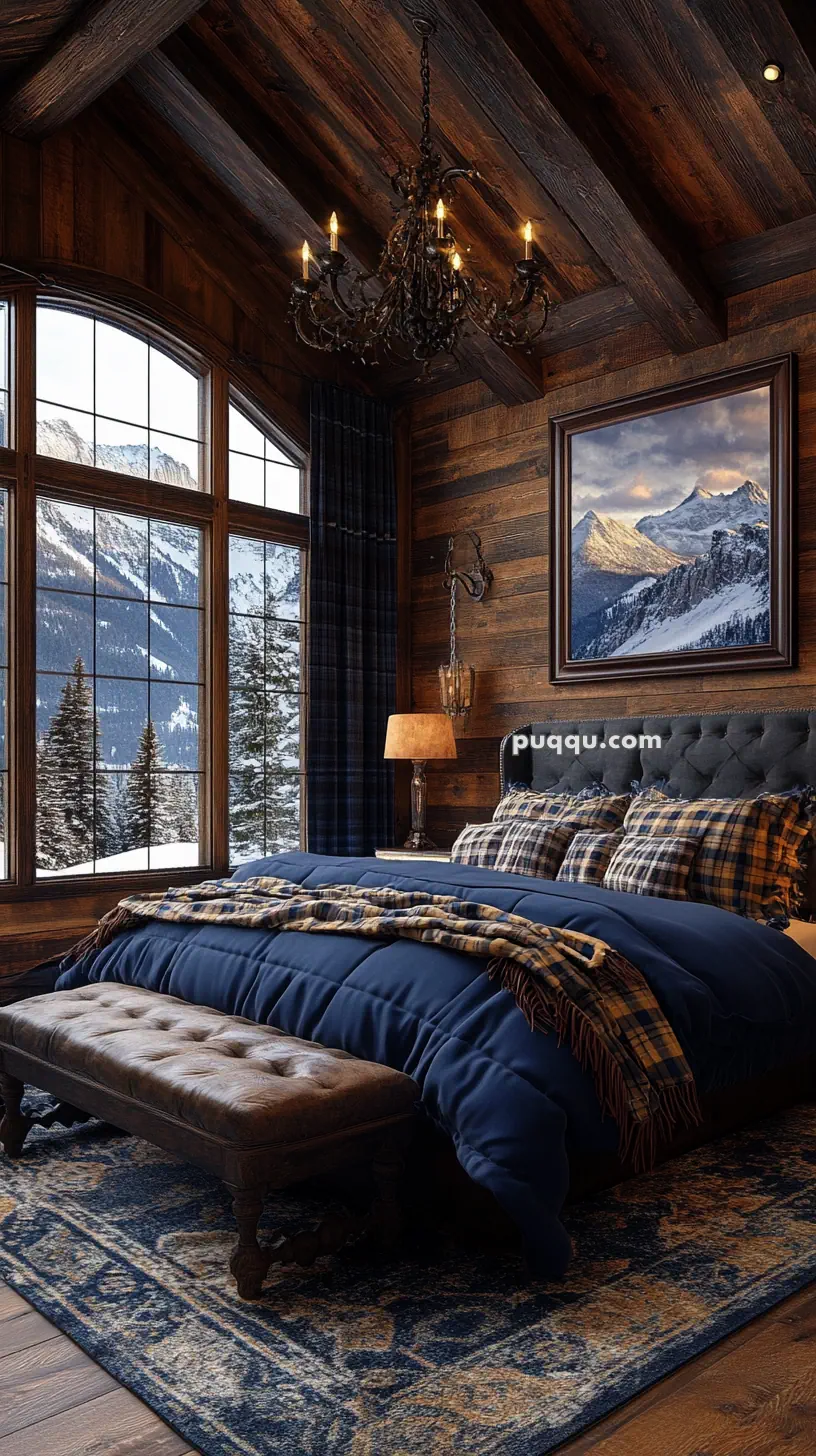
(419, 736)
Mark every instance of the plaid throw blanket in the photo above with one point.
(574, 984)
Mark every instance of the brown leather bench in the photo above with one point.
(259, 1109)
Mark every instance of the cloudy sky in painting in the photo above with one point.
(645, 466)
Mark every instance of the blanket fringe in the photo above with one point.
(673, 1106)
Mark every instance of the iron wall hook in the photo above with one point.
(475, 581)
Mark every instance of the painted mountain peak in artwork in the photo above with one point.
(610, 557)
(720, 599)
(688, 528)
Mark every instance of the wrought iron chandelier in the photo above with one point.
(416, 303)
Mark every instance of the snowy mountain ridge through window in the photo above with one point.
(119, 680)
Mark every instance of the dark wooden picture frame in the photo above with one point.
(779, 375)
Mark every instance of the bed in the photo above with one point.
(517, 1109)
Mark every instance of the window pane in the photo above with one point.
(174, 645)
(114, 744)
(64, 630)
(260, 471)
(243, 435)
(246, 479)
(65, 546)
(246, 567)
(176, 715)
(106, 397)
(247, 816)
(121, 638)
(265, 709)
(65, 434)
(282, 655)
(283, 581)
(65, 358)
(122, 711)
(121, 447)
(121, 375)
(282, 486)
(175, 563)
(121, 555)
(174, 395)
(174, 460)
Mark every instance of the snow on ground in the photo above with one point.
(162, 857)
(677, 633)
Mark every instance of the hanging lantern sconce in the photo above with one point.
(457, 678)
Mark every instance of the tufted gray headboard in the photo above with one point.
(730, 755)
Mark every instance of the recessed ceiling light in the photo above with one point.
(772, 71)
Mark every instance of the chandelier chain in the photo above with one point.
(415, 304)
(425, 75)
(453, 620)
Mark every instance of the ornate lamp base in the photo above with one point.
(418, 839)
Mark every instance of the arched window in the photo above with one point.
(157, 709)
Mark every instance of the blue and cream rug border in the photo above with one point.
(125, 1249)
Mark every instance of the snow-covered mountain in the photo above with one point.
(59, 439)
(128, 641)
(687, 529)
(716, 600)
(609, 558)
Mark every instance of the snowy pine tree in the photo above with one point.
(66, 755)
(247, 733)
(149, 797)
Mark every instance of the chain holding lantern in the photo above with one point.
(457, 679)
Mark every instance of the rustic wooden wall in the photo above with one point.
(481, 465)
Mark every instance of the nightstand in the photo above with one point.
(442, 855)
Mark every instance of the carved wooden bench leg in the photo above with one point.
(249, 1263)
(14, 1126)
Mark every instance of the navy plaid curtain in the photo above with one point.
(353, 622)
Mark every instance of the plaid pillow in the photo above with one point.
(601, 814)
(749, 858)
(588, 856)
(478, 844)
(653, 865)
(532, 848)
(518, 846)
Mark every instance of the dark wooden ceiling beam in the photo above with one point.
(104, 41)
(237, 164)
(563, 142)
(767, 257)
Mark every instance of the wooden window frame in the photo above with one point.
(24, 473)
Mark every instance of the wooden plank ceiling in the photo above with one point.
(662, 173)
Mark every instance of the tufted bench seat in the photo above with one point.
(256, 1107)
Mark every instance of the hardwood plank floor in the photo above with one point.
(754, 1394)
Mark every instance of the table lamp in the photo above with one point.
(418, 737)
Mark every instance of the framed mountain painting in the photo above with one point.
(672, 529)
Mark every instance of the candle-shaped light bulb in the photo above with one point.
(305, 255)
(333, 231)
(440, 219)
(456, 262)
(528, 240)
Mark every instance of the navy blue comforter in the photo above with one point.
(741, 998)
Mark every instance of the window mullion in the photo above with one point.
(22, 623)
(218, 582)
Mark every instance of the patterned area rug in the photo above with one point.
(125, 1249)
